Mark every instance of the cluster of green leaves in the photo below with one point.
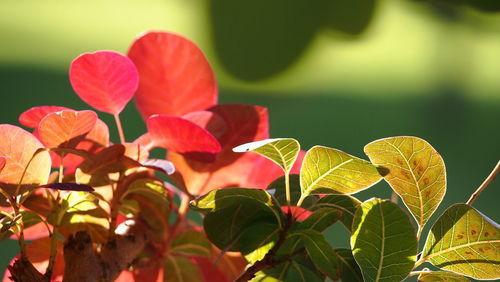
(279, 231)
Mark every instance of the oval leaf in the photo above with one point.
(105, 80)
(439, 276)
(349, 269)
(66, 128)
(180, 269)
(181, 135)
(321, 219)
(343, 203)
(464, 241)
(416, 173)
(18, 147)
(282, 151)
(191, 243)
(258, 241)
(211, 121)
(331, 171)
(32, 117)
(383, 241)
(176, 78)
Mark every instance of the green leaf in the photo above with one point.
(191, 243)
(222, 198)
(94, 221)
(278, 190)
(150, 189)
(344, 203)
(416, 173)
(291, 271)
(10, 226)
(464, 241)
(349, 269)
(321, 253)
(383, 241)
(224, 227)
(80, 202)
(438, 276)
(180, 269)
(321, 219)
(258, 240)
(331, 171)
(282, 151)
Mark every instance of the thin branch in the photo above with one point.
(119, 127)
(483, 186)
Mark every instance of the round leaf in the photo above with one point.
(416, 173)
(464, 241)
(383, 241)
(105, 80)
(32, 117)
(66, 128)
(175, 76)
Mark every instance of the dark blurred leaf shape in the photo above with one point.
(483, 5)
(344, 203)
(349, 16)
(349, 269)
(290, 271)
(191, 243)
(255, 39)
(68, 186)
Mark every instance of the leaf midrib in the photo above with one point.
(382, 248)
(458, 247)
(310, 186)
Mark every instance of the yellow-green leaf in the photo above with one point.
(383, 241)
(180, 269)
(416, 172)
(441, 276)
(464, 241)
(282, 151)
(191, 243)
(331, 171)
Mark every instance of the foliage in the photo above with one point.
(102, 211)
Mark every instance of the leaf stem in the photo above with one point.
(119, 127)
(419, 232)
(22, 245)
(483, 185)
(53, 252)
(61, 168)
(287, 189)
(414, 273)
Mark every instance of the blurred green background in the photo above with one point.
(339, 73)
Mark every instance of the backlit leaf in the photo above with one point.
(175, 76)
(464, 241)
(32, 117)
(383, 241)
(163, 166)
(18, 147)
(277, 189)
(244, 124)
(65, 128)
(68, 186)
(320, 252)
(2, 163)
(181, 135)
(258, 241)
(208, 120)
(105, 80)
(80, 202)
(344, 203)
(321, 219)
(349, 269)
(180, 269)
(331, 171)
(282, 151)
(290, 271)
(151, 189)
(94, 221)
(439, 276)
(191, 243)
(416, 173)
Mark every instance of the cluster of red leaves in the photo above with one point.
(176, 93)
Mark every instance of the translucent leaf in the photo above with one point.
(105, 80)
(277, 189)
(219, 199)
(416, 173)
(464, 241)
(18, 147)
(282, 151)
(439, 276)
(290, 271)
(152, 190)
(80, 202)
(320, 252)
(383, 241)
(331, 171)
(321, 219)
(349, 269)
(258, 241)
(65, 128)
(180, 269)
(344, 203)
(94, 221)
(191, 243)
(162, 166)
(175, 76)
(32, 117)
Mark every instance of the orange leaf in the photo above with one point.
(66, 128)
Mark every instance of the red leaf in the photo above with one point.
(32, 117)
(17, 146)
(208, 120)
(3, 161)
(181, 135)
(65, 128)
(146, 141)
(105, 80)
(175, 76)
(245, 124)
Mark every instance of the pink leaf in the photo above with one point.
(66, 128)
(175, 76)
(32, 117)
(208, 120)
(181, 135)
(105, 80)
